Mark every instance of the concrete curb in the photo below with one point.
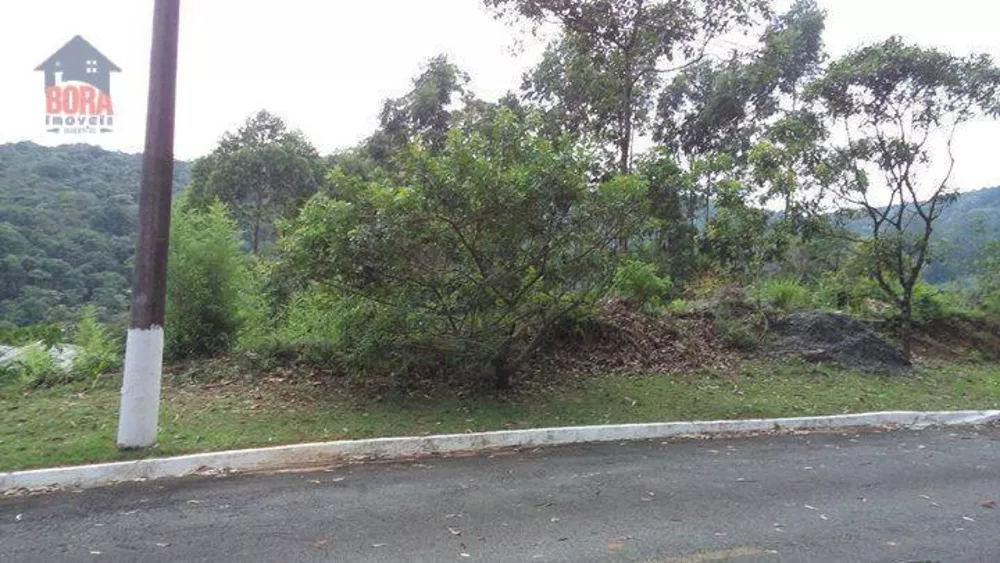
(318, 454)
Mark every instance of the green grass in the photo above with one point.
(76, 423)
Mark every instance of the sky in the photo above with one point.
(326, 65)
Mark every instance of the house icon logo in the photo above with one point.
(78, 90)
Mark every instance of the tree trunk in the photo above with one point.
(255, 244)
(625, 126)
(906, 332)
(502, 374)
(625, 149)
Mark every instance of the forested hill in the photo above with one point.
(963, 229)
(67, 229)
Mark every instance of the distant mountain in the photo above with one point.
(964, 227)
(67, 229)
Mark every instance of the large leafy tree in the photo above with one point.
(263, 171)
(895, 104)
(599, 79)
(746, 117)
(476, 253)
(424, 115)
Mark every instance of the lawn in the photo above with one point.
(76, 423)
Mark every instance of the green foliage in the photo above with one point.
(263, 172)
(47, 334)
(34, 366)
(600, 78)
(678, 307)
(740, 239)
(671, 240)
(893, 98)
(642, 282)
(67, 231)
(473, 256)
(422, 116)
(97, 352)
(785, 295)
(932, 303)
(206, 282)
(988, 277)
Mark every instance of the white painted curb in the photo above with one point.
(318, 454)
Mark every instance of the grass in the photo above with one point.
(76, 423)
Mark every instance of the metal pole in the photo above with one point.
(140, 405)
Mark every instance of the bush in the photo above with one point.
(641, 282)
(785, 295)
(467, 260)
(678, 307)
(19, 336)
(97, 352)
(932, 303)
(207, 279)
(35, 367)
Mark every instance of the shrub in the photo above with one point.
(933, 303)
(988, 278)
(678, 307)
(470, 257)
(35, 367)
(19, 336)
(785, 295)
(97, 352)
(642, 283)
(207, 278)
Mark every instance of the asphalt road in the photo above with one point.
(902, 496)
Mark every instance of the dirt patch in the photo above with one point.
(959, 339)
(830, 337)
(623, 340)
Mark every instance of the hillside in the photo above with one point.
(67, 229)
(964, 227)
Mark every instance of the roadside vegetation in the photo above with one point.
(480, 264)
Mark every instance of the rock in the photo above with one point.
(830, 337)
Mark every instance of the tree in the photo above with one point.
(475, 254)
(673, 236)
(262, 171)
(423, 115)
(893, 100)
(745, 117)
(600, 77)
(987, 270)
(207, 273)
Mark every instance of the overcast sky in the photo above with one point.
(325, 65)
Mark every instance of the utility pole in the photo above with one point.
(140, 405)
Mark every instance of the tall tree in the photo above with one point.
(600, 77)
(423, 115)
(262, 171)
(748, 113)
(893, 101)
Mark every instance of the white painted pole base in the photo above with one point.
(140, 409)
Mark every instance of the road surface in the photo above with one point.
(899, 496)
